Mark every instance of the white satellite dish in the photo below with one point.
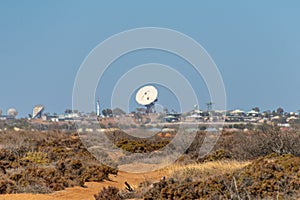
(147, 96)
(12, 112)
(37, 111)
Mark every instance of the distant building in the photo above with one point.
(172, 117)
(237, 113)
(49, 118)
(194, 117)
(253, 113)
(7, 117)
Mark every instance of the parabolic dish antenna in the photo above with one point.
(12, 112)
(37, 111)
(147, 96)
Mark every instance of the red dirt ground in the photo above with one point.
(79, 193)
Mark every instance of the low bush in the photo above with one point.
(36, 157)
(141, 146)
(50, 164)
(110, 193)
(271, 177)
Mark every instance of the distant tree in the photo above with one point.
(107, 112)
(256, 109)
(141, 110)
(280, 111)
(68, 111)
(118, 111)
(166, 110)
(47, 114)
(138, 117)
(283, 120)
(267, 113)
(104, 112)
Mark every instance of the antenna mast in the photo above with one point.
(98, 107)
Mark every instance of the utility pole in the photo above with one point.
(209, 106)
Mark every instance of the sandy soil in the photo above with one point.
(80, 193)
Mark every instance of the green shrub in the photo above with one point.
(36, 157)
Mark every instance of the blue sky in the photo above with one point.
(255, 45)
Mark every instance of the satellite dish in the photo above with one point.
(147, 96)
(37, 111)
(12, 112)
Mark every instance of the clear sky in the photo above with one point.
(255, 44)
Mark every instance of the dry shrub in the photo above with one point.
(263, 142)
(272, 177)
(110, 193)
(141, 146)
(7, 186)
(218, 155)
(52, 163)
(36, 157)
(194, 148)
(66, 173)
(199, 171)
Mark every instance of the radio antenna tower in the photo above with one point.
(98, 108)
(209, 105)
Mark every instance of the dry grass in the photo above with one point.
(271, 177)
(203, 170)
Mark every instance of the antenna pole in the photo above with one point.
(98, 107)
(209, 106)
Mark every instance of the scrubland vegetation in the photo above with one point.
(36, 162)
(259, 164)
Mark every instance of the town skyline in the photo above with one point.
(68, 110)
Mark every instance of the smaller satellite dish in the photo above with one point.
(146, 95)
(12, 112)
(37, 111)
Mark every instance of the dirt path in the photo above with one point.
(79, 193)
